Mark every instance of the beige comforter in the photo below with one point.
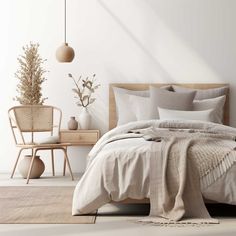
(106, 169)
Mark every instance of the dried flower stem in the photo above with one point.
(84, 90)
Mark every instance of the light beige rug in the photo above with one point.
(39, 205)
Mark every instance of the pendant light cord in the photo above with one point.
(65, 19)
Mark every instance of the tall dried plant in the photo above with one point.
(30, 76)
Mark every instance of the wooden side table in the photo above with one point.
(78, 137)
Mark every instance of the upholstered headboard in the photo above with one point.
(112, 102)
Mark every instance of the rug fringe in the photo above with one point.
(158, 221)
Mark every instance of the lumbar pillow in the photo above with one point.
(167, 114)
(217, 104)
(203, 93)
(169, 100)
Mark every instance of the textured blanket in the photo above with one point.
(185, 157)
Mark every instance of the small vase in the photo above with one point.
(84, 119)
(72, 124)
(37, 169)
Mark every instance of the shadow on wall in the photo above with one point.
(165, 75)
(172, 57)
(207, 28)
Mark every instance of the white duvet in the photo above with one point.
(118, 168)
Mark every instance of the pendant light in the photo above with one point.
(65, 53)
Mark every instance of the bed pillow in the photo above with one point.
(169, 100)
(140, 107)
(167, 114)
(143, 93)
(203, 93)
(217, 104)
(124, 113)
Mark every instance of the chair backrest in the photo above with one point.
(35, 118)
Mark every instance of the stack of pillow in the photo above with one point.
(170, 103)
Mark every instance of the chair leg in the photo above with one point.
(31, 165)
(64, 165)
(17, 159)
(52, 156)
(68, 163)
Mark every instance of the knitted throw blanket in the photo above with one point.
(185, 158)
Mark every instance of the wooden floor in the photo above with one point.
(112, 220)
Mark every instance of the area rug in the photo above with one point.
(39, 205)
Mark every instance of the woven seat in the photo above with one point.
(32, 120)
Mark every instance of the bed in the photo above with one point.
(89, 193)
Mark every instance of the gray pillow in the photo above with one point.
(169, 100)
(203, 93)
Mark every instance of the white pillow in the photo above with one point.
(141, 107)
(217, 104)
(124, 111)
(167, 114)
(48, 140)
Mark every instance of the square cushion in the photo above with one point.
(217, 104)
(169, 100)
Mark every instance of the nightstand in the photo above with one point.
(78, 137)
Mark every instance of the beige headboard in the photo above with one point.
(112, 102)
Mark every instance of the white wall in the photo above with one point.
(121, 41)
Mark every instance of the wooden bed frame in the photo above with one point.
(136, 87)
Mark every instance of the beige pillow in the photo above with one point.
(217, 104)
(203, 93)
(169, 100)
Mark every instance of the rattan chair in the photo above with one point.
(29, 121)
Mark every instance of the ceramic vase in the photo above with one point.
(73, 123)
(37, 169)
(84, 119)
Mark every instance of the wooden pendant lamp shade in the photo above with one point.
(65, 53)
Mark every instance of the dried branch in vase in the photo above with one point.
(30, 76)
(84, 90)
